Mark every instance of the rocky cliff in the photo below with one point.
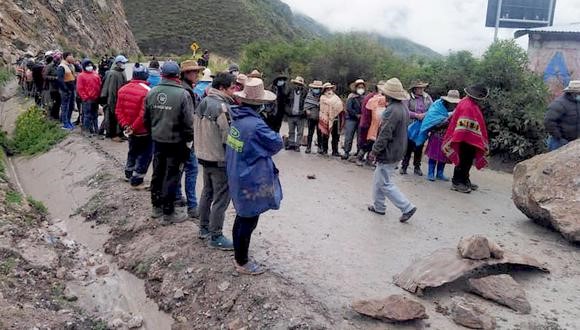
(89, 27)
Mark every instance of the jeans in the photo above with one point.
(554, 143)
(312, 128)
(461, 171)
(138, 158)
(383, 187)
(242, 234)
(67, 106)
(56, 102)
(191, 170)
(168, 162)
(351, 127)
(296, 131)
(415, 150)
(335, 137)
(91, 117)
(215, 198)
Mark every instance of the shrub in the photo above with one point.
(34, 133)
(13, 197)
(37, 205)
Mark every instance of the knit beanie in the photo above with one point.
(140, 72)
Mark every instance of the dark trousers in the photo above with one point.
(242, 234)
(138, 158)
(415, 150)
(67, 106)
(113, 129)
(214, 201)
(167, 167)
(90, 117)
(351, 128)
(335, 137)
(466, 156)
(55, 107)
(313, 127)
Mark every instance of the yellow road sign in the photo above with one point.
(194, 47)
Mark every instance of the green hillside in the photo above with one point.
(164, 27)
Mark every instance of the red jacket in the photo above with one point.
(89, 86)
(131, 105)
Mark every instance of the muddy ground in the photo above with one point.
(322, 247)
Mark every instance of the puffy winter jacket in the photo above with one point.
(563, 118)
(89, 86)
(252, 176)
(130, 107)
(154, 77)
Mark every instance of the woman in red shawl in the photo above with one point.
(466, 139)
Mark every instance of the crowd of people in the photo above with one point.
(180, 116)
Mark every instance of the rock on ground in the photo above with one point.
(502, 289)
(474, 247)
(469, 315)
(395, 308)
(546, 188)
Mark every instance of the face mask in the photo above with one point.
(89, 68)
(236, 73)
(122, 66)
(316, 91)
(280, 83)
(360, 91)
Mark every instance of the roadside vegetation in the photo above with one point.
(514, 111)
(34, 133)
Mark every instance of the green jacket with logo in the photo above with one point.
(169, 113)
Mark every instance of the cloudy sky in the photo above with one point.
(442, 25)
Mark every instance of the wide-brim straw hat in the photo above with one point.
(190, 65)
(394, 88)
(477, 91)
(241, 79)
(207, 76)
(298, 81)
(255, 74)
(328, 85)
(316, 84)
(356, 83)
(254, 93)
(418, 84)
(453, 96)
(573, 86)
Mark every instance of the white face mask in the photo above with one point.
(280, 83)
(121, 66)
(360, 91)
(89, 68)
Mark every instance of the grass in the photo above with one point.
(8, 265)
(37, 205)
(5, 75)
(34, 133)
(12, 197)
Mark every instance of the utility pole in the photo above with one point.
(497, 17)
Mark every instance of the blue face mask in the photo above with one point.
(316, 91)
(280, 83)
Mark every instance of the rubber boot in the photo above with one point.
(441, 172)
(431, 172)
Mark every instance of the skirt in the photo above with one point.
(434, 148)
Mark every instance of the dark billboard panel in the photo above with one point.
(521, 13)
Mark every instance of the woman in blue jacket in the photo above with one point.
(252, 176)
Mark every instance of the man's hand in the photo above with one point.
(128, 131)
(420, 116)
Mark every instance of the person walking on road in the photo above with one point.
(190, 71)
(353, 114)
(562, 120)
(130, 110)
(295, 114)
(89, 90)
(312, 109)
(212, 124)
(67, 86)
(331, 118)
(114, 80)
(418, 104)
(251, 172)
(466, 141)
(389, 149)
(169, 118)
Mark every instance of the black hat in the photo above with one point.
(477, 91)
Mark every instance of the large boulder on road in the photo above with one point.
(546, 188)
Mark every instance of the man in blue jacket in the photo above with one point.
(252, 176)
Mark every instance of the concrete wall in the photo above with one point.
(557, 60)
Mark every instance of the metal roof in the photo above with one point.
(569, 28)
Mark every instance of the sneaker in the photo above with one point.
(372, 209)
(403, 170)
(308, 150)
(442, 177)
(250, 268)
(193, 212)
(221, 243)
(156, 213)
(344, 157)
(139, 186)
(360, 162)
(203, 233)
(182, 202)
(406, 216)
(335, 154)
(473, 186)
(430, 177)
(178, 216)
(461, 188)
(128, 175)
(297, 149)
(418, 171)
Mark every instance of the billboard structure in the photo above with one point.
(519, 14)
